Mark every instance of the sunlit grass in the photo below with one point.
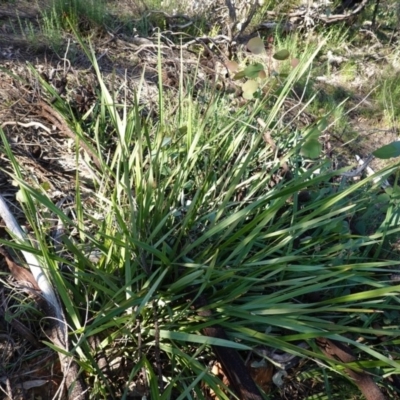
(185, 207)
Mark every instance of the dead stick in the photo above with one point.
(232, 364)
(339, 351)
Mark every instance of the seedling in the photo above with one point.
(257, 73)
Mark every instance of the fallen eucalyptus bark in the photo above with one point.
(339, 351)
(58, 325)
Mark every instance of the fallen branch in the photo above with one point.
(339, 351)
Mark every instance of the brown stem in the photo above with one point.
(339, 351)
(232, 364)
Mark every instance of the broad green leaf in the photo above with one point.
(256, 46)
(45, 186)
(253, 70)
(281, 55)
(183, 130)
(388, 151)
(311, 148)
(313, 132)
(249, 88)
(239, 75)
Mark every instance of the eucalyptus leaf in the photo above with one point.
(256, 45)
(232, 66)
(253, 70)
(311, 148)
(312, 132)
(294, 62)
(389, 151)
(249, 88)
(239, 75)
(282, 55)
(262, 74)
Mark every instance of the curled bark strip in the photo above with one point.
(52, 306)
(232, 364)
(33, 263)
(20, 274)
(339, 351)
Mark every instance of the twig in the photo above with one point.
(232, 10)
(232, 365)
(370, 171)
(248, 20)
(364, 166)
(9, 390)
(26, 125)
(358, 171)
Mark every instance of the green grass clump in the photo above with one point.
(388, 96)
(185, 207)
(82, 15)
